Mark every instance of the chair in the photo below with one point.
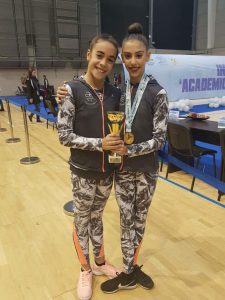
(222, 173)
(51, 110)
(181, 144)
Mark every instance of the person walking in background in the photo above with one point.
(146, 107)
(82, 126)
(47, 93)
(33, 92)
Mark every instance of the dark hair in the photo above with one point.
(104, 37)
(135, 32)
(30, 71)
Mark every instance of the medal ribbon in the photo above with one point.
(132, 110)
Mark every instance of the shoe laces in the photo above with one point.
(85, 278)
(120, 275)
(139, 271)
(142, 274)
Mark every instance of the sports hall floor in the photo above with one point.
(183, 249)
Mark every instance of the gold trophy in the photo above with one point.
(116, 120)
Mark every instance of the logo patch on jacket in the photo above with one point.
(89, 99)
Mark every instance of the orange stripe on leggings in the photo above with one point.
(80, 253)
(102, 253)
(136, 254)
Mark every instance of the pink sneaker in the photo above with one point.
(107, 269)
(84, 287)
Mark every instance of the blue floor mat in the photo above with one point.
(202, 108)
(22, 101)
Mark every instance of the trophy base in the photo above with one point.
(115, 159)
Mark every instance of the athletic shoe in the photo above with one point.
(84, 287)
(143, 279)
(121, 282)
(107, 269)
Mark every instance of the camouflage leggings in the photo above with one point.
(90, 198)
(134, 192)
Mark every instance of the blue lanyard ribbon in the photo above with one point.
(132, 110)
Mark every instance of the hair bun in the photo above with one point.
(135, 28)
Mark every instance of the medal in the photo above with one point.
(129, 138)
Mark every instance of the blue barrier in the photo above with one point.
(22, 101)
(216, 183)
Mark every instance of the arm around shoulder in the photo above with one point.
(67, 137)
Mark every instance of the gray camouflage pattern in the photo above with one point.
(67, 137)
(134, 192)
(90, 197)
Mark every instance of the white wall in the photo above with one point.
(10, 78)
(201, 34)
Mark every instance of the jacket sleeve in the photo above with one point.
(160, 120)
(67, 137)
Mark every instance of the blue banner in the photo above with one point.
(188, 76)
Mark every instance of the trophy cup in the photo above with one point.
(116, 120)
